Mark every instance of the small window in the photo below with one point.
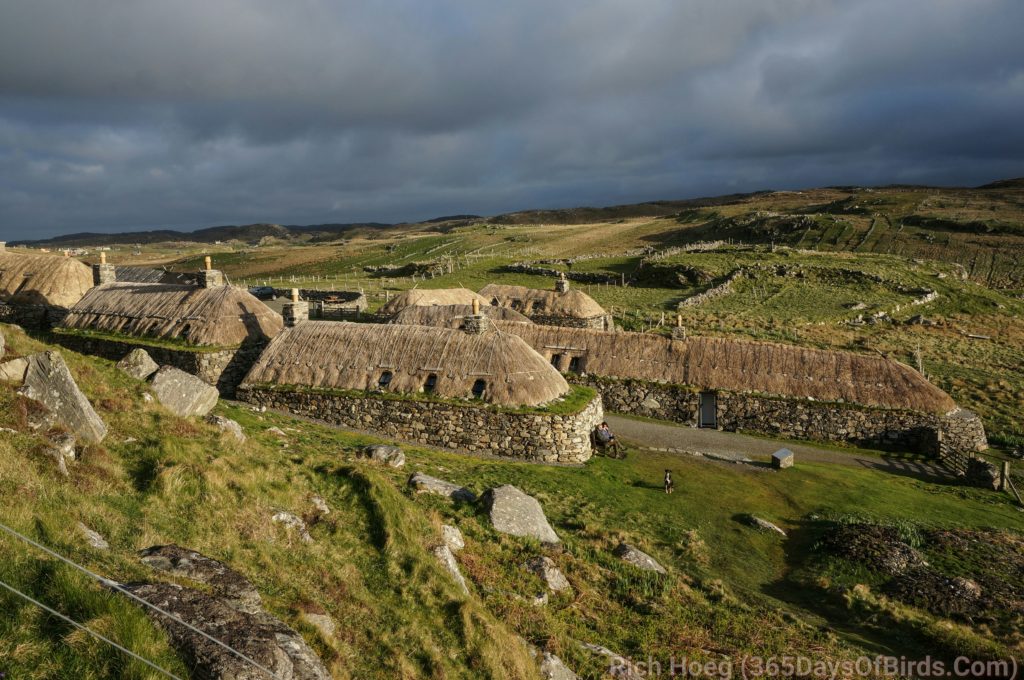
(576, 365)
(385, 379)
(431, 384)
(556, 361)
(535, 306)
(517, 304)
(479, 387)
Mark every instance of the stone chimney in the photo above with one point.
(476, 323)
(103, 273)
(562, 284)
(679, 332)
(295, 311)
(210, 277)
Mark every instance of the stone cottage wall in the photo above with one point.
(603, 322)
(35, 317)
(961, 431)
(224, 369)
(525, 436)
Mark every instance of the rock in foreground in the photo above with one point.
(138, 364)
(546, 569)
(224, 581)
(519, 514)
(391, 456)
(182, 393)
(48, 381)
(422, 483)
(228, 426)
(638, 558)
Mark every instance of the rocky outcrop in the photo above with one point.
(452, 538)
(227, 426)
(392, 456)
(138, 364)
(444, 555)
(552, 668)
(638, 558)
(258, 636)
(422, 483)
(222, 579)
(513, 512)
(294, 523)
(183, 394)
(546, 569)
(49, 381)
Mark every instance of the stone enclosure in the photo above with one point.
(534, 436)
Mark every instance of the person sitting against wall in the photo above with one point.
(606, 439)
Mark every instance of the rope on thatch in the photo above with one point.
(219, 316)
(451, 316)
(31, 279)
(571, 304)
(742, 365)
(352, 356)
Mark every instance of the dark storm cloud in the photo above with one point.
(144, 114)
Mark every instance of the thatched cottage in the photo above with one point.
(420, 297)
(36, 290)
(453, 316)
(559, 307)
(776, 389)
(214, 331)
(478, 389)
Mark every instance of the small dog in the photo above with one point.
(670, 486)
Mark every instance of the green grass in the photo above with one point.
(159, 479)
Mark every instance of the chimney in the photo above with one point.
(679, 332)
(476, 323)
(210, 277)
(103, 273)
(562, 284)
(295, 311)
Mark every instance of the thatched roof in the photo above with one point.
(741, 365)
(426, 297)
(129, 274)
(573, 304)
(222, 316)
(31, 279)
(451, 316)
(354, 356)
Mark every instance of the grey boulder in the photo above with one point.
(391, 456)
(452, 538)
(444, 555)
(227, 426)
(62, 450)
(49, 382)
(138, 364)
(422, 483)
(293, 522)
(223, 581)
(763, 525)
(552, 668)
(13, 371)
(182, 393)
(92, 538)
(518, 514)
(638, 558)
(546, 569)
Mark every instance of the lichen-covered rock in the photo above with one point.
(138, 364)
(227, 426)
(93, 538)
(638, 558)
(422, 483)
(13, 371)
(49, 382)
(517, 513)
(444, 555)
(546, 569)
(552, 668)
(258, 635)
(293, 522)
(62, 449)
(224, 581)
(764, 525)
(391, 456)
(182, 393)
(452, 538)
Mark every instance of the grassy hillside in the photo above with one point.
(730, 590)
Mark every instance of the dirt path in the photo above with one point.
(737, 447)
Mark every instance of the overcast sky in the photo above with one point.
(136, 114)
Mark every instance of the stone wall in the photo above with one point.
(961, 431)
(526, 436)
(224, 368)
(36, 317)
(604, 322)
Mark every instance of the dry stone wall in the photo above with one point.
(224, 369)
(525, 436)
(959, 431)
(39, 317)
